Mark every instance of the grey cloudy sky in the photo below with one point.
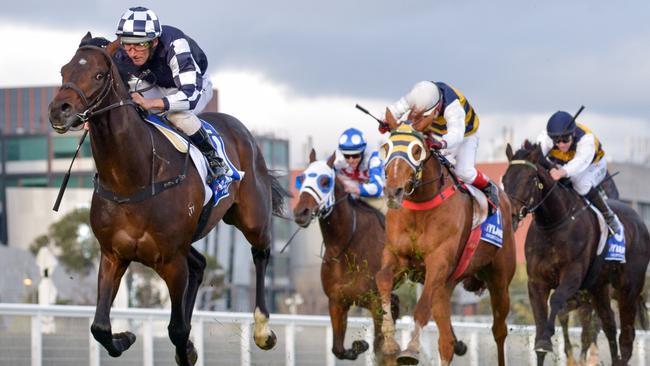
(516, 61)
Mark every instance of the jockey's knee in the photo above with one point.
(581, 188)
(466, 174)
(186, 121)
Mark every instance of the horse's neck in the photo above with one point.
(557, 204)
(121, 146)
(337, 226)
(434, 179)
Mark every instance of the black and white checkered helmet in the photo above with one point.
(138, 24)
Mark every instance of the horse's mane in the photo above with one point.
(363, 206)
(532, 152)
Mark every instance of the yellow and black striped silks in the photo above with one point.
(449, 95)
(559, 157)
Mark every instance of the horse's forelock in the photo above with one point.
(117, 77)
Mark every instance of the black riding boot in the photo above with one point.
(492, 193)
(217, 164)
(597, 200)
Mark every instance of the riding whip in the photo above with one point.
(575, 116)
(67, 175)
(370, 114)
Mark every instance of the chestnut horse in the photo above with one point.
(431, 242)
(157, 229)
(561, 247)
(354, 235)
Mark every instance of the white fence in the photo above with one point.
(33, 335)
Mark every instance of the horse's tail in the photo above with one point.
(278, 193)
(642, 311)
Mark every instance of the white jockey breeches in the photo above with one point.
(590, 177)
(465, 156)
(186, 121)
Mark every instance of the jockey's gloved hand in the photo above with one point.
(436, 143)
(383, 127)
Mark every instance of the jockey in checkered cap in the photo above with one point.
(453, 129)
(164, 56)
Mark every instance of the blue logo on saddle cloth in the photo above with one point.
(492, 229)
(220, 185)
(616, 246)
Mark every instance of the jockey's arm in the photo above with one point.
(375, 185)
(186, 76)
(454, 114)
(585, 151)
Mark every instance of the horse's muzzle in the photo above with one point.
(394, 197)
(302, 217)
(62, 116)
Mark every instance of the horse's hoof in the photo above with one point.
(122, 342)
(192, 355)
(460, 348)
(269, 342)
(408, 357)
(360, 347)
(544, 345)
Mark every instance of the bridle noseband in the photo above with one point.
(90, 108)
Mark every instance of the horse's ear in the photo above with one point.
(86, 38)
(312, 156)
(112, 47)
(390, 119)
(330, 160)
(509, 153)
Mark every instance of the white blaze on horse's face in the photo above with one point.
(318, 181)
(407, 144)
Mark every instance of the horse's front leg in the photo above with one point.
(601, 303)
(435, 300)
(111, 270)
(569, 286)
(538, 293)
(176, 274)
(339, 317)
(264, 337)
(563, 317)
(385, 279)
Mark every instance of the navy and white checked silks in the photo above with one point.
(139, 22)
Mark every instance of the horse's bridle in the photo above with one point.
(416, 179)
(107, 87)
(530, 207)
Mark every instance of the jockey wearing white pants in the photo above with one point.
(165, 56)
(580, 157)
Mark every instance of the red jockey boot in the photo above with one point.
(490, 189)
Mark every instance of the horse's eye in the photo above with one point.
(325, 183)
(417, 152)
(99, 76)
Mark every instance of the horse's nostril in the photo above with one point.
(398, 191)
(65, 107)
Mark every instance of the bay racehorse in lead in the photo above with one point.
(158, 228)
(431, 241)
(561, 252)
